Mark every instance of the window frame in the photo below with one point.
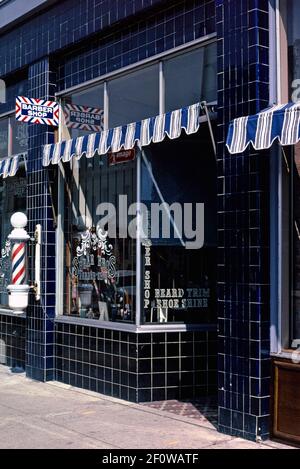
(60, 236)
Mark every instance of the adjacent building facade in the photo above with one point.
(204, 302)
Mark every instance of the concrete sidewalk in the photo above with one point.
(52, 415)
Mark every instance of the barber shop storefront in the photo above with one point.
(163, 229)
(123, 297)
(138, 234)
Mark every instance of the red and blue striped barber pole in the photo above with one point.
(18, 263)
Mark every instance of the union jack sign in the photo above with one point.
(83, 117)
(37, 111)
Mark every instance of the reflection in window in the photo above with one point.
(180, 284)
(134, 97)
(191, 77)
(12, 199)
(100, 267)
(93, 98)
(3, 138)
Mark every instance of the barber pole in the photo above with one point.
(18, 290)
(18, 264)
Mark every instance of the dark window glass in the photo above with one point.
(191, 77)
(134, 97)
(179, 283)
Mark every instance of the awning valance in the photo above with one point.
(10, 165)
(142, 133)
(279, 122)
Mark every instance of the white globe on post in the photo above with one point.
(18, 221)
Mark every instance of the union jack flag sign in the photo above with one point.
(37, 111)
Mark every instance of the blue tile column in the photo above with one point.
(243, 224)
(40, 315)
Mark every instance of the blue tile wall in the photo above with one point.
(175, 24)
(66, 23)
(62, 25)
(40, 316)
(12, 341)
(137, 367)
(16, 86)
(243, 209)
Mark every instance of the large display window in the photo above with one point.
(139, 230)
(140, 235)
(178, 186)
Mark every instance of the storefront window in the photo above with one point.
(12, 199)
(179, 275)
(174, 271)
(291, 11)
(191, 77)
(134, 96)
(295, 243)
(100, 263)
(177, 244)
(13, 137)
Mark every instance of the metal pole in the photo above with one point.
(205, 109)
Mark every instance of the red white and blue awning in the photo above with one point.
(10, 165)
(279, 122)
(152, 130)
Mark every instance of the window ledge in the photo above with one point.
(284, 354)
(153, 328)
(8, 312)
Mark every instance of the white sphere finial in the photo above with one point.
(19, 220)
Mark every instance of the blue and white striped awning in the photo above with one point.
(280, 122)
(142, 133)
(10, 165)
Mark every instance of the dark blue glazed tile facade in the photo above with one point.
(175, 24)
(12, 341)
(40, 316)
(137, 367)
(63, 25)
(76, 41)
(243, 206)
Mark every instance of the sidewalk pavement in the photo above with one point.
(52, 415)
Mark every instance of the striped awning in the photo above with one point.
(10, 165)
(279, 122)
(152, 130)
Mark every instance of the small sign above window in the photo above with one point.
(121, 157)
